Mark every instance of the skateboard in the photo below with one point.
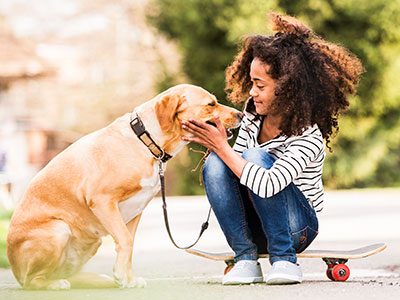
(335, 259)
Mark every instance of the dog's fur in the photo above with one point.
(99, 186)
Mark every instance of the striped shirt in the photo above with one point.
(299, 159)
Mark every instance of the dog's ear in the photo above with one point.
(167, 110)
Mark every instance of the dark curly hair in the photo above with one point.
(313, 77)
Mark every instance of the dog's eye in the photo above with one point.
(211, 104)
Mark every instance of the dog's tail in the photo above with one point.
(88, 280)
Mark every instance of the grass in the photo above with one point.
(4, 221)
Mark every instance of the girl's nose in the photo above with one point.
(252, 92)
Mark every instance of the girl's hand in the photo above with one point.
(213, 138)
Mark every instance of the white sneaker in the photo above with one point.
(244, 272)
(284, 272)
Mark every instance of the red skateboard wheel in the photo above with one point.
(340, 272)
(329, 274)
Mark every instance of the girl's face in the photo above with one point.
(263, 89)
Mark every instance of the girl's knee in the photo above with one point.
(259, 156)
(214, 166)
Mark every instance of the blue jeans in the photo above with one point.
(281, 225)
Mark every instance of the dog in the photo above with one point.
(100, 186)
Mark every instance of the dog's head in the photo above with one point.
(185, 101)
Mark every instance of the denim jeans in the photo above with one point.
(281, 225)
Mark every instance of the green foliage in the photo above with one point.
(4, 220)
(366, 152)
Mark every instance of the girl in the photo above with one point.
(266, 191)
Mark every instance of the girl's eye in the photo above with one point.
(260, 87)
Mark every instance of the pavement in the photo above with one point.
(351, 219)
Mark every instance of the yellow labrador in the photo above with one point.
(99, 186)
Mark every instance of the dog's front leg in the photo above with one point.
(132, 226)
(109, 215)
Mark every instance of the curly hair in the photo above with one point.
(313, 77)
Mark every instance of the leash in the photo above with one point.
(204, 226)
(162, 157)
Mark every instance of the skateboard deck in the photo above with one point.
(335, 259)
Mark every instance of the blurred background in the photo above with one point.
(69, 67)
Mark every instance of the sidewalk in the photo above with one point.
(351, 219)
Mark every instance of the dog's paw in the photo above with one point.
(61, 284)
(137, 282)
(133, 283)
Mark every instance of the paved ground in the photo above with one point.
(351, 219)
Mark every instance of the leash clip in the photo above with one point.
(160, 166)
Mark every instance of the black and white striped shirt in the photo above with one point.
(299, 159)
